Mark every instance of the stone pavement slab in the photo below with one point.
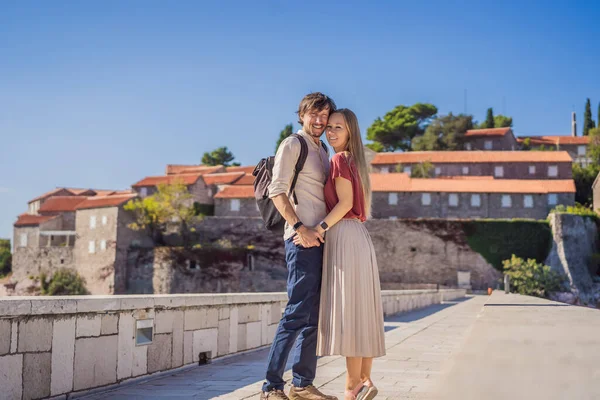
(527, 348)
(417, 343)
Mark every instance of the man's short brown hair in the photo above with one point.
(317, 101)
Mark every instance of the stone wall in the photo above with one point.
(575, 242)
(31, 261)
(506, 142)
(247, 208)
(52, 346)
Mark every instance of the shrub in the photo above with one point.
(204, 209)
(577, 209)
(498, 240)
(5, 257)
(64, 282)
(532, 278)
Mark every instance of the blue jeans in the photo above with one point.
(300, 319)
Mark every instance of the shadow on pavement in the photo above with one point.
(419, 314)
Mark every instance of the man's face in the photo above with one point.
(315, 121)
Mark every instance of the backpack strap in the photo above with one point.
(325, 147)
(299, 164)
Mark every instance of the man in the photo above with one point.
(301, 315)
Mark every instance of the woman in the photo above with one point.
(351, 316)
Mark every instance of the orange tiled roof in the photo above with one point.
(247, 179)
(222, 178)
(399, 182)
(173, 169)
(32, 220)
(480, 156)
(61, 203)
(104, 201)
(555, 140)
(247, 169)
(50, 193)
(487, 132)
(236, 192)
(75, 192)
(187, 179)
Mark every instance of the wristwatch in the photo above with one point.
(324, 225)
(297, 225)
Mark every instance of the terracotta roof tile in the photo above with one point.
(487, 132)
(74, 192)
(399, 182)
(105, 201)
(247, 169)
(555, 140)
(50, 193)
(32, 220)
(222, 178)
(187, 179)
(481, 156)
(173, 169)
(61, 204)
(247, 179)
(236, 192)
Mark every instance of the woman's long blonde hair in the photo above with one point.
(356, 149)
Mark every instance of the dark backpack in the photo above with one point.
(263, 174)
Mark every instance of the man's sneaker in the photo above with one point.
(274, 395)
(308, 393)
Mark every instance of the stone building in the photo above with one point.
(576, 146)
(499, 164)
(103, 241)
(236, 201)
(396, 195)
(491, 139)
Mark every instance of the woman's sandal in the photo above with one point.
(352, 394)
(368, 391)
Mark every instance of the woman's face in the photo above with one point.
(337, 132)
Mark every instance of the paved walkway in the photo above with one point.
(513, 347)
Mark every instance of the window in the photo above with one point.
(144, 192)
(209, 192)
(499, 171)
(552, 199)
(426, 199)
(407, 170)
(92, 247)
(103, 245)
(235, 204)
(23, 240)
(581, 150)
(385, 170)
(92, 222)
(532, 170)
(488, 144)
(468, 146)
(475, 200)
(528, 201)
(465, 170)
(552, 170)
(104, 220)
(453, 200)
(506, 200)
(393, 218)
(438, 170)
(393, 199)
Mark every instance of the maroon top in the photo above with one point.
(342, 165)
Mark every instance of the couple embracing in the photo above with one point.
(334, 305)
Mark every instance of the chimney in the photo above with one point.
(573, 125)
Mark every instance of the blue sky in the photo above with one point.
(101, 94)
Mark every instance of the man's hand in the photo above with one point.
(308, 237)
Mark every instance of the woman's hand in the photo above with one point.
(308, 237)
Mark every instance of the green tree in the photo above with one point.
(584, 178)
(593, 151)
(220, 156)
(526, 144)
(400, 126)
(171, 205)
(502, 121)
(287, 131)
(64, 282)
(5, 257)
(444, 133)
(489, 120)
(422, 170)
(588, 122)
(532, 278)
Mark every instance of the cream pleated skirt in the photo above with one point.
(351, 313)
